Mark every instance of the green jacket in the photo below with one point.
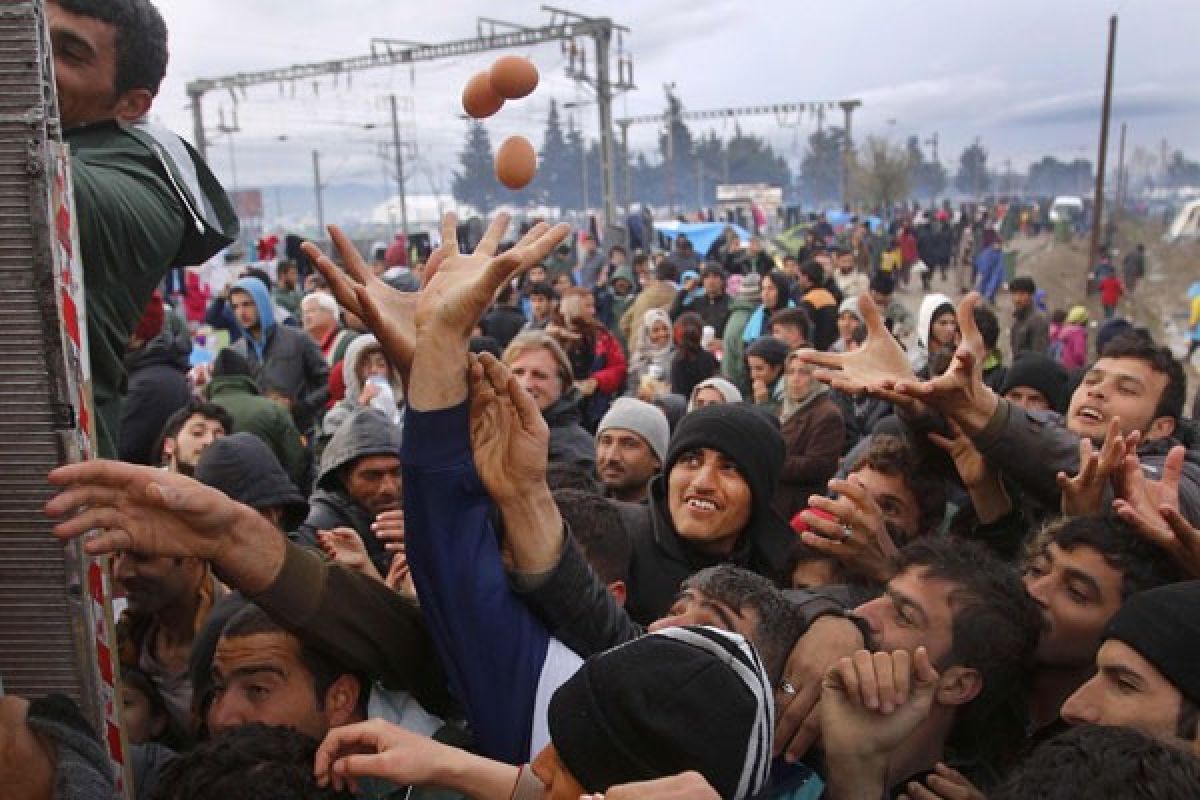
(733, 359)
(267, 420)
(137, 216)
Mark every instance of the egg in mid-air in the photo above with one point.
(479, 99)
(513, 77)
(516, 162)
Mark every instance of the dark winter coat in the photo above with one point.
(266, 419)
(569, 442)
(284, 359)
(814, 436)
(158, 387)
(366, 432)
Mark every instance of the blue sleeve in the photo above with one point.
(491, 645)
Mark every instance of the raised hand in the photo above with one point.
(357, 286)
(959, 393)
(970, 464)
(463, 286)
(880, 358)
(857, 536)
(872, 702)
(943, 783)
(1152, 508)
(344, 546)
(1084, 493)
(509, 436)
(158, 513)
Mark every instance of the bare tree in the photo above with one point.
(882, 174)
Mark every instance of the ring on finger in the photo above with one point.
(847, 532)
(787, 688)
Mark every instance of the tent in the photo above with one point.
(1186, 224)
(703, 235)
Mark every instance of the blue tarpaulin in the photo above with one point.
(703, 235)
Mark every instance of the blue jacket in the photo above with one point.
(266, 313)
(501, 661)
(990, 266)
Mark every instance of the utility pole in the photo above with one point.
(1098, 198)
(564, 26)
(847, 107)
(1120, 199)
(932, 141)
(399, 164)
(318, 188)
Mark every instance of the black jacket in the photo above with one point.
(366, 432)
(569, 442)
(713, 312)
(157, 388)
(578, 609)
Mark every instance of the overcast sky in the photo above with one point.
(1025, 75)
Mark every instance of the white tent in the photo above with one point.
(1186, 224)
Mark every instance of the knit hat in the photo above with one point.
(751, 287)
(747, 435)
(680, 699)
(1038, 372)
(230, 362)
(768, 348)
(647, 421)
(1022, 283)
(730, 392)
(1162, 625)
(713, 268)
(244, 468)
(1078, 315)
(883, 283)
(82, 770)
(151, 323)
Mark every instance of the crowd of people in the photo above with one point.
(528, 518)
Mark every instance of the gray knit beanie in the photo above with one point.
(647, 421)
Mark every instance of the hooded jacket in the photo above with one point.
(283, 359)
(569, 442)
(930, 304)
(157, 388)
(242, 467)
(349, 402)
(733, 361)
(366, 432)
(662, 559)
(266, 419)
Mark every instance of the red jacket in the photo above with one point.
(1111, 290)
(610, 378)
(908, 247)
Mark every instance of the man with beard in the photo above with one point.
(631, 443)
(188, 431)
(359, 486)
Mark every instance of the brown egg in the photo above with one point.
(513, 77)
(479, 99)
(516, 162)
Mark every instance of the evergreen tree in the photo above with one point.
(1050, 177)
(475, 184)
(973, 178)
(751, 159)
(677, 154)
(551, 186)
(927, 178)
(1180, 172)
(572, 182)
(821, 169)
